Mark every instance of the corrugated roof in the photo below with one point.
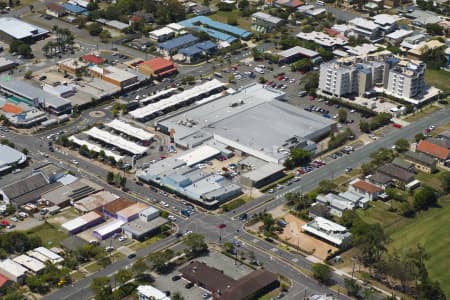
(24, 186)
(73, 8)
(433, 150)
(178, 42)
(20, 29)
(117, 205)
(95, 59)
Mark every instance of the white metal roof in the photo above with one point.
(30, 263)
(20, 29)
(267, 18)
(116, 140)
(364, 23)
(94, 147)
(321, 39)
(327, 230)
(176, 99)
(157, 95)
(80, 221)
(130, 130)
(50, 254)
(384, 19)
(199, 154)
(109, 227)
(12, 267)
(118, 74)
(38, 256)
(161, 32)
(298, 50)
(398, 34)
(150, 292)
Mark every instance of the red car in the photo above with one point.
(5, 223)
(311, 98)
(396, 125)
(280, 77)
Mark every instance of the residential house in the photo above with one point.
(405, 165)
(442, 154)
(55, 10)
(13, 271)
(367, 189)
(421, 161)
(400, 175)
(162, 34)
(381, 180)
(388, 23)
(265, 23)
(366, 29)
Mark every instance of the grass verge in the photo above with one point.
(236, 203)
(438, 78)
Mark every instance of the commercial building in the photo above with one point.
(162, 34)
(22, 91)
(421, 161)
(6, 64)
(131, 212)
(10, 158)
(322, 39)
(16, 29)
(52, 256)
(115, 76)
(141, 230)
(29, 189)
(13, 271)
(223, 287)
(198, 51)
(95, 148)
(407, 80)
(130, 130)
(107, 230)
(116, 140)
(329, 231)
(265, 23)
(31, 263)
(216, 30)
(262, 175)
(93, 59)
(147, 292)
(71, 65)
(94, 201)
(149, 214)
(171, 47)
(295, 53)
(232, 120)
(366, 29)
(186, 97)
(83, 222)
(157, 67)
(61, 90)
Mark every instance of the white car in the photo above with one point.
(172, 218)
(352, 110)
(123, 238)
(75, 162)
(188, 232)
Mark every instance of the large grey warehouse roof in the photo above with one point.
(251, 120)
(10, 156)
(263, 172)
(19, 29)
(29, 91)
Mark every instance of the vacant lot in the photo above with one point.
(50, 235)
(223, 16)
(294, 235)
(430, 229)
(438, 78)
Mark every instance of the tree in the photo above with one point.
(298, 201)
(425, 197)
(159, 260)
(321, 272)
(430, 290)
(21, 48)
(196, 243)
(445, 181)
(104, 36)
(123, 182)
(302, 65)
(435, 58)
(101, 287)
(434, 29)
(25, 151)
(364, 126)
(28, 74)
(342, 115)
(311, 81)
(231, 20)
(123, 276)
(110, 177)
(297, 157)
(370, 239)
(228, 246)
(94, 29)
(352, 287)
(268, 224)
(402, 145)
(327, 186)
(139, 267)
(419, 137)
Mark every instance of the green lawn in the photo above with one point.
(431, 180)
(438, 78)
(430, 229)
(379, 213)
(49, 234)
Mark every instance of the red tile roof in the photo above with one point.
(3, 280)
(93, 59)
(135, 19)
(331, 32)
(366, 186)
(159, 63)
(434, 150)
